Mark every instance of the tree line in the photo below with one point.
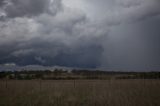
(60, 74)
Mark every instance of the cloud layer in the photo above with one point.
(49, 32)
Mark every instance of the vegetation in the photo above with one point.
(80, 92)
(59, 74)
(79, 88)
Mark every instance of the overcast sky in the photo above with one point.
(107, 34)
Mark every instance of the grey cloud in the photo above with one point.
(129, 11)
(22, 8)
(133, 46)
(48, 33)
(115, 12)
(50, 39)
(40, 60)
(2, 2)
(80, 54)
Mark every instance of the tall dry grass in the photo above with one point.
(80, 93)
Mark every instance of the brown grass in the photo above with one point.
(80, 93)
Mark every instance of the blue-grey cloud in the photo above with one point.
(2, 2)
(110, 34)
(23, 8)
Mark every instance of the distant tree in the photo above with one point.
(47, 72)
(3, 75)
(28, 77)
(39, 75)
(19, 77)
(58, 72)
(11, 76)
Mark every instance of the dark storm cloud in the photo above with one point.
(50, 39)
(2, 2)
(120, 34)
(39, 51)
(21, 8)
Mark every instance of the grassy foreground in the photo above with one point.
(80, 93)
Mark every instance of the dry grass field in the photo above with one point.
(80, 93)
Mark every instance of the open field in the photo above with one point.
(80, 92)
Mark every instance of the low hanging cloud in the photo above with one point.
(47, 32)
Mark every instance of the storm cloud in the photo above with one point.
(27, 8)
(110, 34)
